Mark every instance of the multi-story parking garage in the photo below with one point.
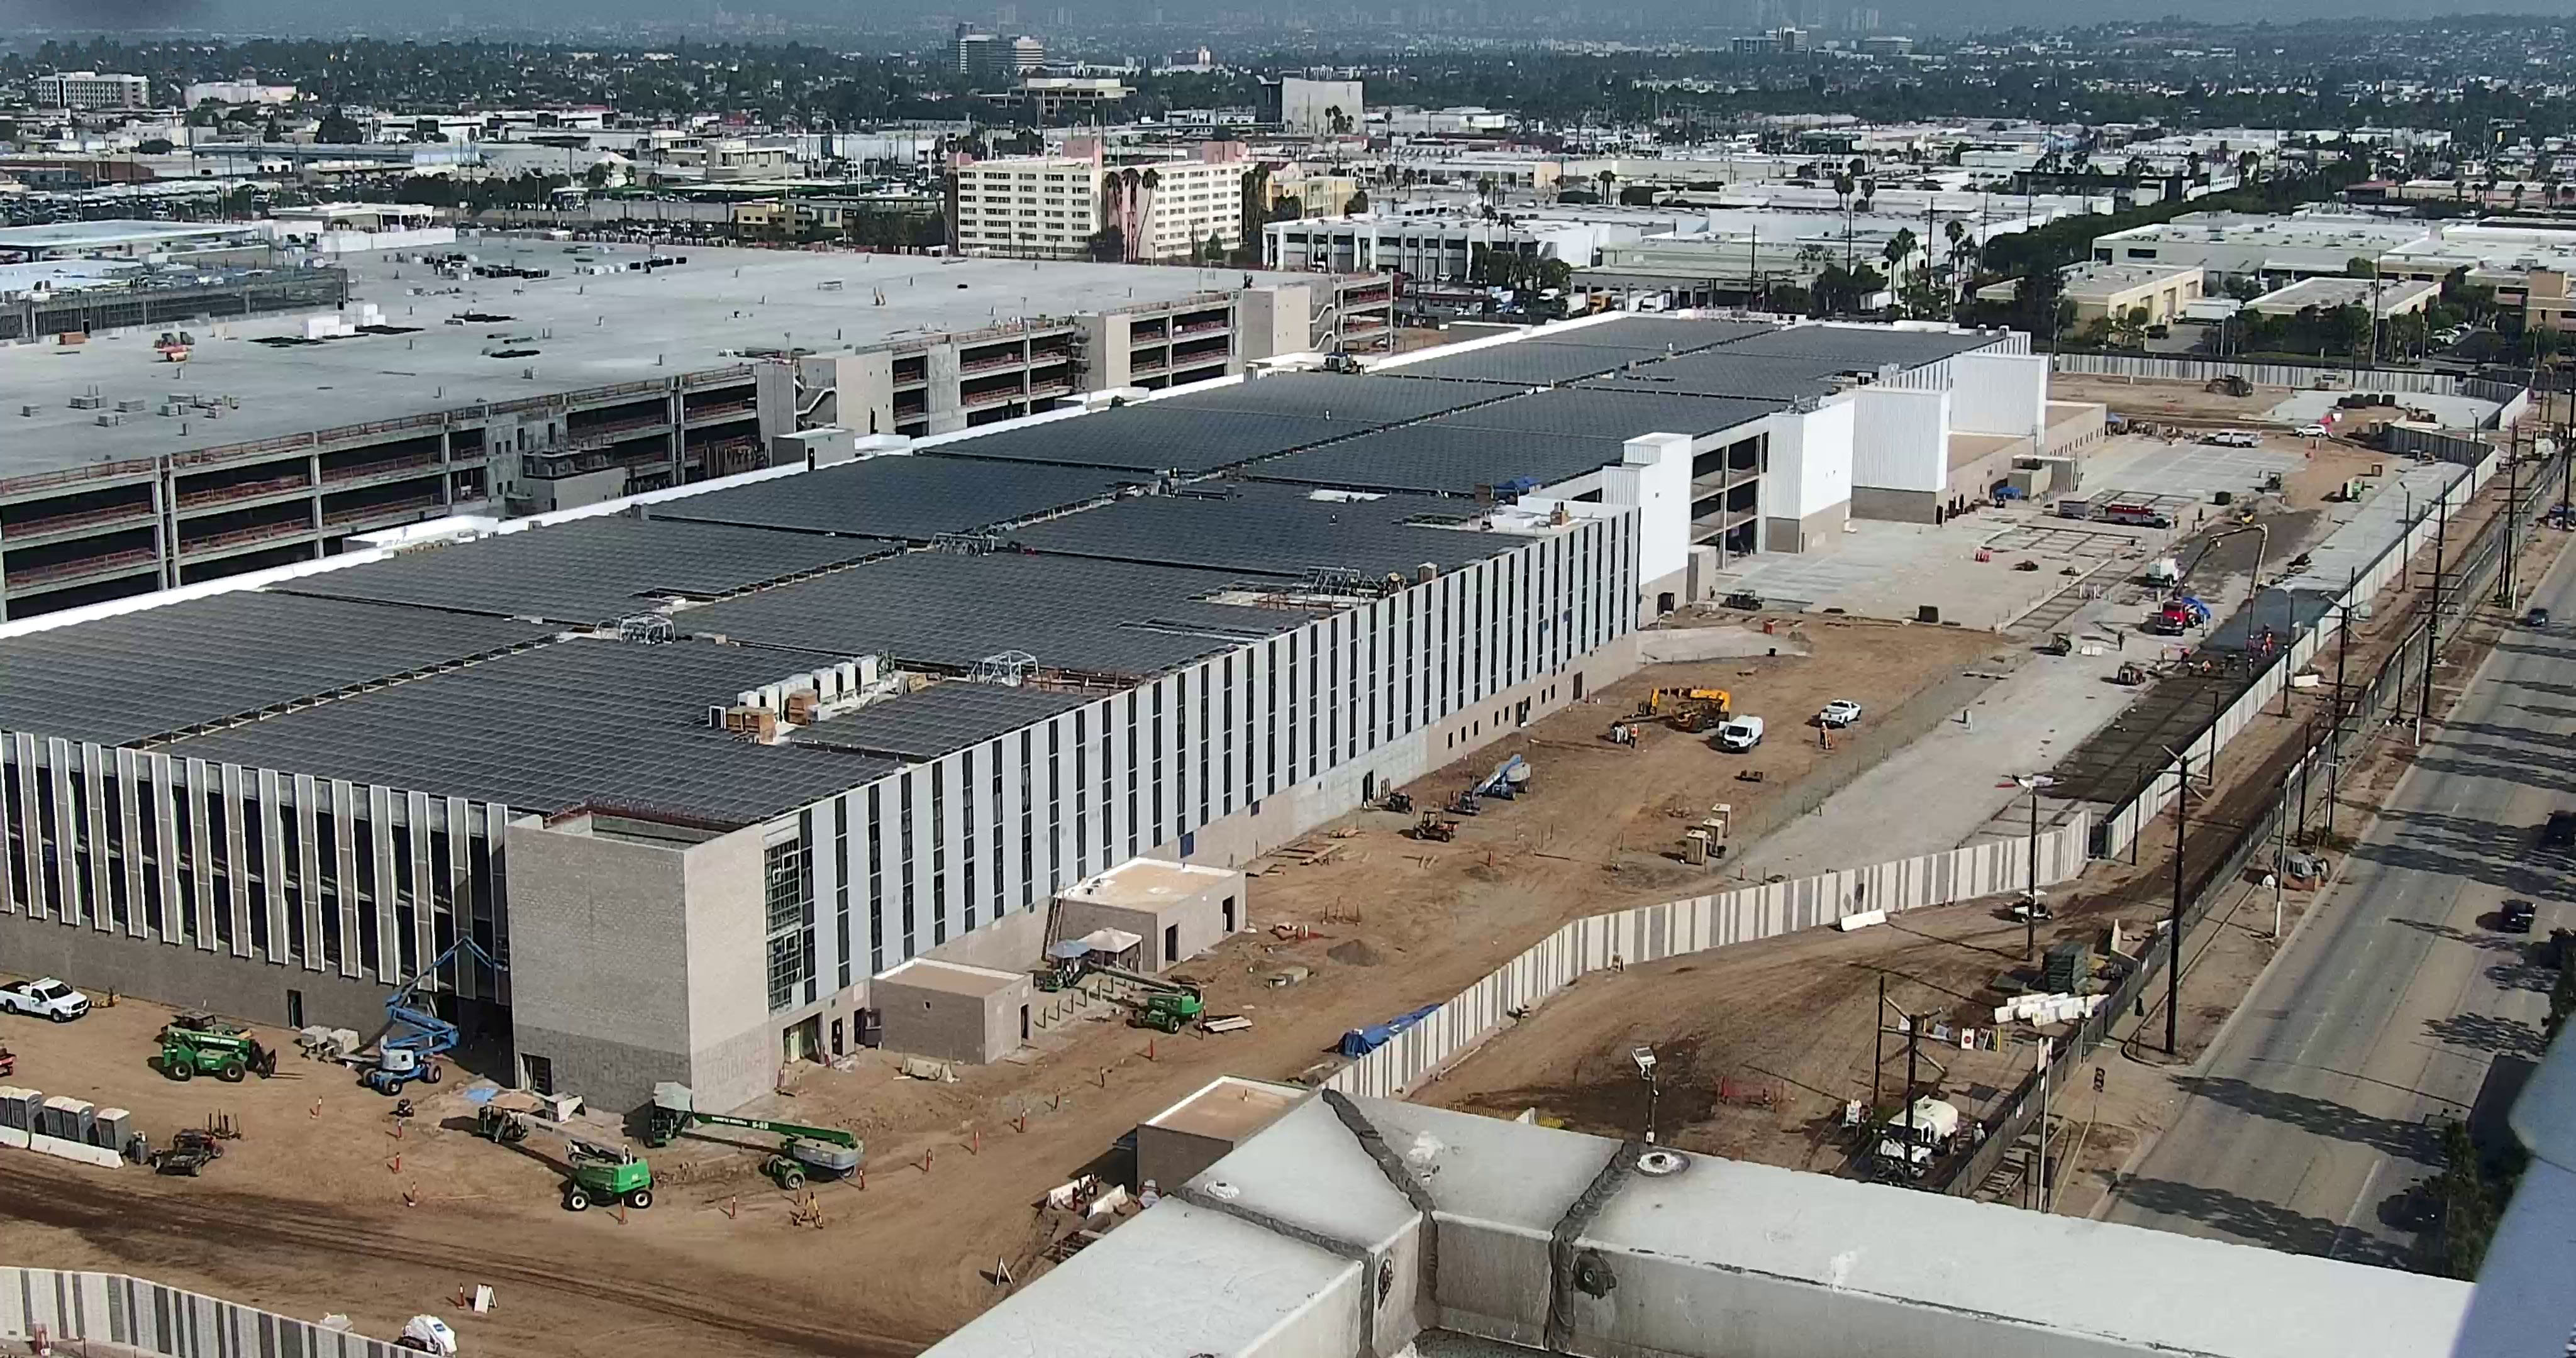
(700, 765)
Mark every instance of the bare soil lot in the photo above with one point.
(322, 1207)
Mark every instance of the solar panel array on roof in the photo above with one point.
(590, 571)
(1864, 347)
(915, 498)
(940, 719)
(1597, 413)
(585, 721)
(1148, 438)
(1272, 529)
(1442, 458)
(1724, 372)
(949, 609)
(123, 678)
(1339, 396)
(1522, 364)
(1651, 332)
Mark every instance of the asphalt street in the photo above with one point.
(2310, 1124)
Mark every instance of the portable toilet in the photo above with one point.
(18, 1108)
(68, 1118)
(111, 1128)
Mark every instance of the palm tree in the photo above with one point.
(1842, 192)
(1957, 234)
(1868, 190)
(1608, 179)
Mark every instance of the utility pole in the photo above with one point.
(2512, 506)
(2433, 616)
(2032, 783)
(1877, 1044)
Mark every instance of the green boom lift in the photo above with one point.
(222, 1051)
(593, 1172)
(803, 1152)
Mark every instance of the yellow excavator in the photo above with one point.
(1689, 709)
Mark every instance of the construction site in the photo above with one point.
(979, 1100)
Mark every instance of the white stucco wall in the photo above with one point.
(1999, 393)
(1900, 439)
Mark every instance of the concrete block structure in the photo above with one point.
(1179, 910)
(707, 764)
(1174, 1145)
(952, 1012)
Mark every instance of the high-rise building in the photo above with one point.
(1028, 55)
(91, 89)
(1055, 207)
(979, 54)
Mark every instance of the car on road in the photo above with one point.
(2536, 617)
(1839, 713)
(2516, 917)
(2560, 832)
(46, 998)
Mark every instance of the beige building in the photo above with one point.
(952, 1012)
(2546, 305)
(2110, 291)
(1175, 910)
(1053, 207)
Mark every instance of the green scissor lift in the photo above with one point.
(593, 1173)
(803, 1152)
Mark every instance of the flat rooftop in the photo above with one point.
(2389, 294)
(586, 330)
(951, 978)
(1230, 1108)
(111, 233)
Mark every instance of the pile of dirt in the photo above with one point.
(1356, 952)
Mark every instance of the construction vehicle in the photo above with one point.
(1435, 828)
(408, 1046)
(1172, 1010)
(427, 1334)
(2179, 614)
(1695, 714)
(2228, 385)
(1509, 779)
(803, 1152)
(2059, 644)
(593, 1172)
(1664, 701)
(2130, 674)
(1400, 803)
(174, 346)
(1153, 1002)
(228, 1056)
(190, 1150)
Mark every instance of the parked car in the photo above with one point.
(2536, 617)
(2560, 832)
(46, 998)
(2516, 917)
(1839, 713)
(1740, 734)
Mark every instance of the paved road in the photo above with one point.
(2307, 1127)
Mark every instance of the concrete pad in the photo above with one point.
(2154, 466)
(2455, 412)
(1890, 570)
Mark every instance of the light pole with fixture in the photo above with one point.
(1645, 1059)
(2032, 783)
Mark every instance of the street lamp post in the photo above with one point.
(2173, 922)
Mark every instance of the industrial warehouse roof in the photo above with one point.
(1723, 372)
(125, 678)
(1272, 530)
(916, 498)
(1865, 347)
(590, 571)
(587, 721)
(953, 609)
(1593, 413)
(940, 719)
(1524, 364)
(1151, 439)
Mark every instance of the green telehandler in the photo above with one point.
(227, 1055)
(803, 1152)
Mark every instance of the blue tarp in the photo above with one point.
(1362, 1041)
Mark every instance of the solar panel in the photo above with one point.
(573, 723)
(1865, 347)
(1724, 372)
(1442, 458)
(1147, 438)
(914, 498)
(1274, 530)
(1657, 333)
(1526, 365)
(590, 571)
(1598, 413)
(133, 675)
(1338, 396)
(949, 610)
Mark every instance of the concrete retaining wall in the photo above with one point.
(1649, 933)
(2279, 375)
(151, 1318)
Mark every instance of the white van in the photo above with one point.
(1741, 733)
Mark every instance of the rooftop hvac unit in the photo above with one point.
(27, 410)
(109, 419)
(131, 405)
(88, 402)
(173, 408)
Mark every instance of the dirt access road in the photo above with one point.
(308, 1215)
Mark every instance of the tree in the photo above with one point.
(1842, 192)
(1109, 245)
(1356, 204)
(1899, 248)
(338, 128)
(153, 146)
(1336, 121)
(1609, 179)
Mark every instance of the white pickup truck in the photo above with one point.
(46, 998)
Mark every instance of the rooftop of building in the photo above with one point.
(1784, 1256)
(569, 331)
(2329, 293)
(2107, 280)
(112, 233)
(952, 978)
(496, 667)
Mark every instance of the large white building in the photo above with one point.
(90, 89)
(1058, 206)
(236, 92)
(702, 764)
(1313, 108)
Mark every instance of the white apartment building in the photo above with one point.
(1051, 207)
(236, 92)
(90, 89)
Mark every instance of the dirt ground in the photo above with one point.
(2144, 399)
(1785, 1025)
(321, 1207)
